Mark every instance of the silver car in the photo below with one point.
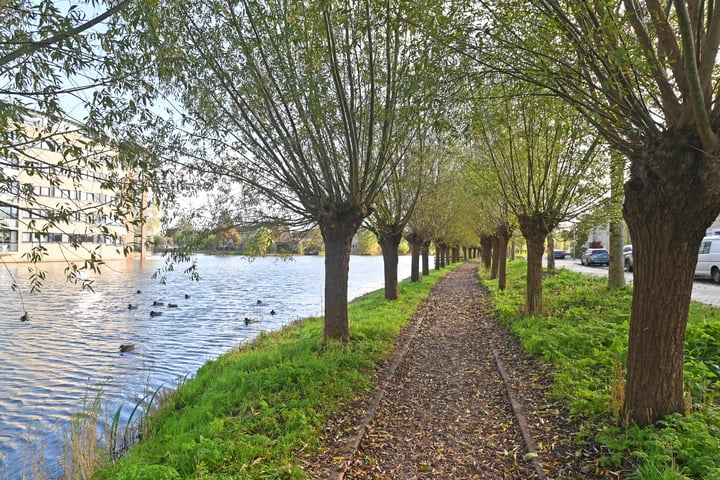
(628, 258)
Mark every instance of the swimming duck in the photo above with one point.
(25, 317)
(153, 313)
(187, 295)
(127, 347)
(259, 302)
(248, 321)
(132, 307)
(158, 304)
(172, 305)
(139, 291)
(272, 312)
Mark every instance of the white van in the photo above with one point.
(708, 264)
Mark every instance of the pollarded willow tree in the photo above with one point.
(454, 229)
(646, 74)
(428, 215)
(493, 221)
(542, 153)
(418, 233)
(305, 104)
(394, 207)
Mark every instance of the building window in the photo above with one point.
(8, 240)
(10, 162)
(35, 213)
(10, 188)
(8, 213)
(43, 191)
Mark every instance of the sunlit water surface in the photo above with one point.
(69, 350)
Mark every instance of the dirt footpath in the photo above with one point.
(459, 400)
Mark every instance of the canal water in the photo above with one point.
(69, 349)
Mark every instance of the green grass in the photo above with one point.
(583, 334)
(254, 412)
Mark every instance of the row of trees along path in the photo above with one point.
(459, 399)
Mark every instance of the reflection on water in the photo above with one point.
(70, 347)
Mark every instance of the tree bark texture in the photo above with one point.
(389, 243)
(486, 246)
(337, 230)
(415, 248)
(672, 196)
(495, 257)
(504, 234)
(533, 296)
(616, 271)
(425, 254)
(440, 255)
(551, 253)
(616, 275)
(535, 229)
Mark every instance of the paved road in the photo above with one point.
(704, 291)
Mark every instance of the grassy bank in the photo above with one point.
(583, 334)
(252, 412)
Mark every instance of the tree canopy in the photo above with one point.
(305, 105)
(645, 74)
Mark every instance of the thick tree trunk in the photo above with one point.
(337, 231)
(425, 254)
(495, 257)
(504, 234)
(389, 243)
(616, 271)
(502, 261)
(337, 262)
(486, 246)
(535, 229)
(533, 296)
(440, 255)
(551, 253)
(415, 249)
(671, 198)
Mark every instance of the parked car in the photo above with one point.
(708, 264)
(628, 258)
(561, 254)
(595, 256)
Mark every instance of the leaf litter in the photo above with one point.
(443, 411)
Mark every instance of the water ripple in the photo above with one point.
(69, 350)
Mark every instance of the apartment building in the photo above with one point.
(55, 198)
